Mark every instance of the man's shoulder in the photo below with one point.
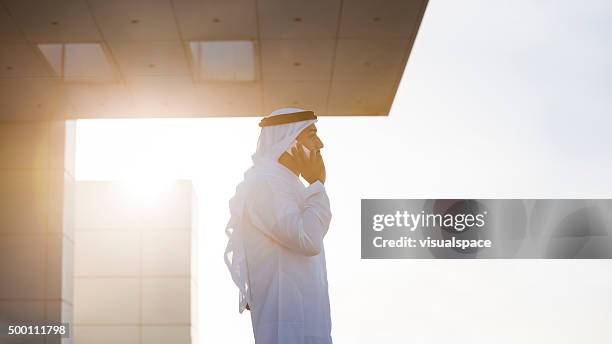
(261, 177)
(262, 182)
(258, 178)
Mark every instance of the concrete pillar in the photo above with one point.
(134, 277)
(36, 224)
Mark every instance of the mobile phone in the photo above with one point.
(306, 150)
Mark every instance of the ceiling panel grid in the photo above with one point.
(337, 57)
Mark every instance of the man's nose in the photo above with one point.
(320, 143)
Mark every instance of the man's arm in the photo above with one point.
(276, 212)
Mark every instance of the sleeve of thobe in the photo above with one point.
(277, 212)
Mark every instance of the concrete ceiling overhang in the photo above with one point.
(336, 57)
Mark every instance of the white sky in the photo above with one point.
(499, 99)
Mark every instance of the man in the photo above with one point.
(275, 251)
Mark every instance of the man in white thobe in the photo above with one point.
(275, 250)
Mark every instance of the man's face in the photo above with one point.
(309, 138)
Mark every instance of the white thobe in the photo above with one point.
(284, 226)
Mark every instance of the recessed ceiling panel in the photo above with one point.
(162, 95)
(229, 98)
(99, 100)
(370, 59)
(223, 60)
(298, 18)
(311, 95)
(376, 18)
(79, 62)
(150, 58)
(135, 20)
(54, 21)
(297, 59)
(54, 56)
(216, 19)
(8, 30)
(32, 99)
(361, 98)
(20, 60)
(86, 61)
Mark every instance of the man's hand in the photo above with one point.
(312, 168)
